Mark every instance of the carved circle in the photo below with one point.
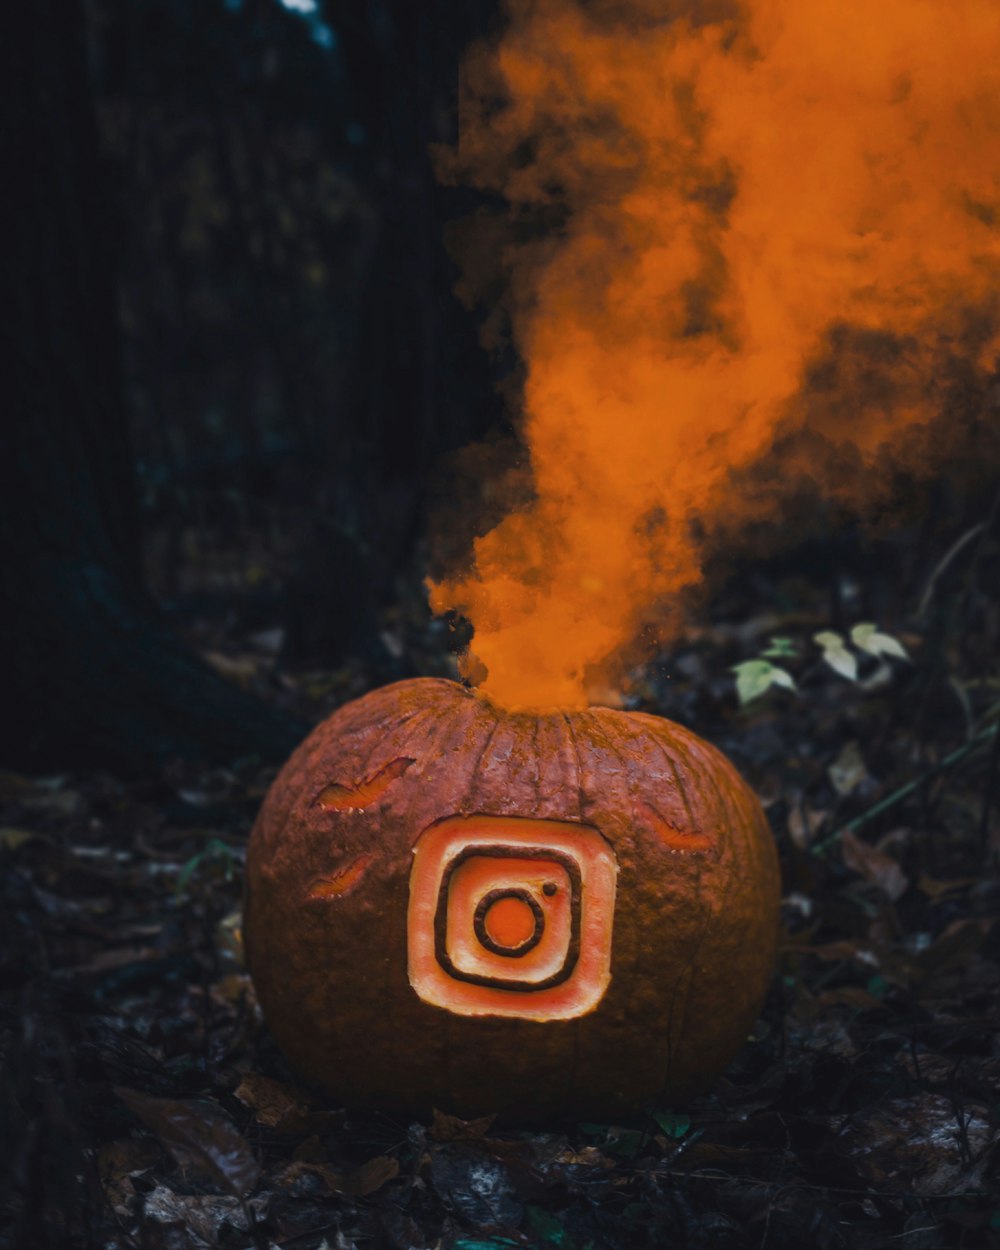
(482, 933)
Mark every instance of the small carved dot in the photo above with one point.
(549, 888)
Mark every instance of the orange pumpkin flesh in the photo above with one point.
(539, 914)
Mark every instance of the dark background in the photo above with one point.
(235, 385)
(236, 353)
(239, 377)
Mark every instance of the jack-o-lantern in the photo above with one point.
(534, 913)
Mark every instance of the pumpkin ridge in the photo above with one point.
(596, 729)
(724, 826)
(688, 770)
(366, 766)
(688, 973)
(472, 790)
(681, 988)
(312, 747)
(684, 982)
(413, 723)
(709, 764)
(740, 818)
(580, 795)
(536, 730)
(448, 1027)
(362, 729)
(418, 719)
(281, 810)
(598, 715)
(671, 764)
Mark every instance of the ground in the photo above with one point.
(145, 1105)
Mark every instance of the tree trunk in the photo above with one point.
(89, 673)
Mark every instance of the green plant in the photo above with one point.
(756, 676)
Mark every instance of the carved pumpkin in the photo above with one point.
(533, 913)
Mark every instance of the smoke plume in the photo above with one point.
(751, 245)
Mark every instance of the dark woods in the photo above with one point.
(232, 330)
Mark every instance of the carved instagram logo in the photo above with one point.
(511, 917)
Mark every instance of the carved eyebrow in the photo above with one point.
(341, 797)
(343, 879)
(676, 839)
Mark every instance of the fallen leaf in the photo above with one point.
(273, 1104)
(915, 1145)
(203, 1215)
(371, 1176)
(674, 1124)
(116, 957)
(130, 1156)
(335, 1181)
(476, 1186)
(547, 1228)
(935, 889)
(362, 1182)
(955, 946)
(13, 839)
(241, 669)
(451, 1128)
(200, 1136)
(848, 771)
(854, 996)
(874, 865)
(804, 823)
(844, 949)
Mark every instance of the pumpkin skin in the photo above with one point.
(654, 829)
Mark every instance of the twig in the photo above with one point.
(943, 564)
(903, 792)
(988, 789)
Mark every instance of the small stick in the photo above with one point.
(943, 564)
(903, 792)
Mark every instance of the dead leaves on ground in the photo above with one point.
(862, 1112)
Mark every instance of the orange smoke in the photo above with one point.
(735, 190)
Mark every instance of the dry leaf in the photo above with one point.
(848, 770)
(365, 1180)
(13, 839)
(803, 825)
(451, 1128)
(204, 1215)
(915, 1145)
(874, 865)
(200, 1136)
(273, 1104)
(371, 1176)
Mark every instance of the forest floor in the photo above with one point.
(144, 1104)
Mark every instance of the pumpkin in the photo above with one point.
(533, 913)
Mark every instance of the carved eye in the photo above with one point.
(339, 796)
(691, 841)
(343, 879)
